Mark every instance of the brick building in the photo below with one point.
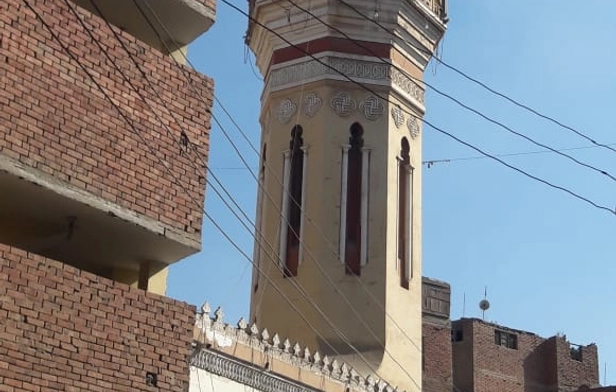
(101, 189)
(491, 357)
(471, 355)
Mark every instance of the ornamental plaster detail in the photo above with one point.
(285, 111)
(312, 104)
(413, 125)
(337, 67)
(371, 107)
(343, 104)
(397, 116)
(220, 334)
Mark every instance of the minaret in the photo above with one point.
(339, 207)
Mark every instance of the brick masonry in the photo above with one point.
(54, 119)
(62, 329)
(437, 369)
(436, 336)
(536, 365)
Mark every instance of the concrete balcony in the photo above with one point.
(179, 22)
(99, 180)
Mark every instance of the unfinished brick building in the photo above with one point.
(489, 357)
(471, 355)
(103, 144)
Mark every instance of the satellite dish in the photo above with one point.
(484, 304)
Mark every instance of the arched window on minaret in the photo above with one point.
(354, 202)
(405, 206)
(293, 181)
(259, 218)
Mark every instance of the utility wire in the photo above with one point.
(254, 149)
(167, 166)
(577, 196)
(432, 162)
(450, 97)
(307, 251)
(480, 83)
(301, 290)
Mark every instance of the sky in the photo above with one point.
(547, 259)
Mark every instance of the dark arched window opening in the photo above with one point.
(259, 222)
(353, 215)
(295, 202)
(403, 213)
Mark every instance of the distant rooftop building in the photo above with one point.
(489, 357)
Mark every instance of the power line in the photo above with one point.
(452, 98)
(297, 285)
(577, 196)
(166, 165)
(240, 219)
(432, 162)
(482, 84)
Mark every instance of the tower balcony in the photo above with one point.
(179, 22)
(110, 181)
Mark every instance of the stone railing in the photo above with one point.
(438, 7)
(217, 335)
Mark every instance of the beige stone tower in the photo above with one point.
(339, 210)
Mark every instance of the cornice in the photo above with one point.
(359, 69)
(216, 334)
(243, 373)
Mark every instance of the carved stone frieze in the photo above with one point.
(222, 335)
(334, 67)
(371, 107)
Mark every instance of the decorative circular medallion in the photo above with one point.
(413, 125)
(343, 104)
(397, 115)
(312, 103)
(286, 109)
(372, 107)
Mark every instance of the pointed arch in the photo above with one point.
(353, 237)
(404, 213)
(259, 218)
(294, 203)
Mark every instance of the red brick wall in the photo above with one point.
(537, 365)
(55, 119)
(62, 329)
(573, 373)
(437, 370)
(462, 356)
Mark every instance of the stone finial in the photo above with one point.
(307, 354)
(297, 349)
(219, 315)
(287, 346)
(316, 358)
(335, 367)
(265, 335)
(205, 309)
(326, 361)
(276, 340)
(242, 324)
(344, 371)
(254, 330)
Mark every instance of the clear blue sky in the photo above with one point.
(547, 259)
